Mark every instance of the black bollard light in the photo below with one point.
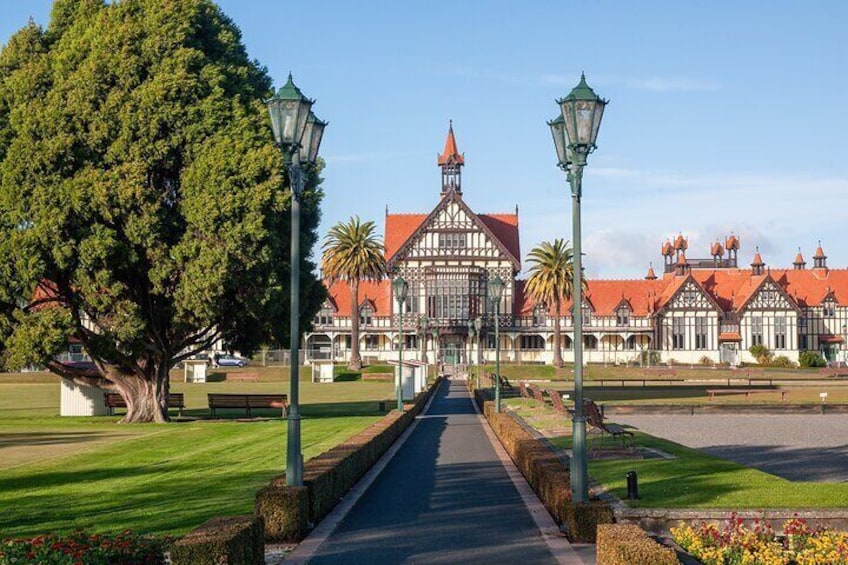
(632, 485)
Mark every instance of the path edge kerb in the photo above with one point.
(289, 515)
(307, 548)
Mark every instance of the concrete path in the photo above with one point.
(445, 497)
(797, 447)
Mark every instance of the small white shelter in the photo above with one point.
(414, 377)
(195, 370)
(79, 400)
(322, 371)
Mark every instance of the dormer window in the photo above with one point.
(325, 315)
(539, 315)
(587, 315)
(829, 309)
(622, 316)
(366, 314)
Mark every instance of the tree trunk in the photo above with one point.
(355, 362)
(557, 336)
(146, 395)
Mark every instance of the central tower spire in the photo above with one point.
(451, 162)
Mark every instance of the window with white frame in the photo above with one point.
(366, 314)
(678, 333)
(701, 325)
(590, 342)
(372, 342)
(325, 316)
(622, 316)
(756, 331)
(539, 315)
(780, 333)
(829, 309)
(452, 240)
(532, 342)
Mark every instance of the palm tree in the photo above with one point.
(353, 253)
(552, 281)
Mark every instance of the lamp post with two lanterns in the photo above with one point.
(575, 131)
(496, 287)
(401, 289)
(298, 133)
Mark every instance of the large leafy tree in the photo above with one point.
(551, 282)
(142, 201)
(353, 253)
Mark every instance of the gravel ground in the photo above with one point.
(795, 447)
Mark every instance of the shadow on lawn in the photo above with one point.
(311, 410)
(49, 438)
(807, 464)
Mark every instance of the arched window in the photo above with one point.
(566, 342)
(630, 343)
(590, 342)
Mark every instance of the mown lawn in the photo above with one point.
(58, 474)
(697, 480)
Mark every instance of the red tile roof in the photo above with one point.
(399, 228)
(732, 243)
(378, 293)
(505, 228)
(819, 253)
(730, 336)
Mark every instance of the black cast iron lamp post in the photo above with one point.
(298, 134)
(496, 287)
(400, 288)
(575, 132)
(471, 332)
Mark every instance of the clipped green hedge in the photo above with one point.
(235, 540)
(546, 474)
(288, 514)
(627, 544)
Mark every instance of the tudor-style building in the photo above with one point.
(699, 308)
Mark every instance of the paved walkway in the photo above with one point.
(445, 497)
(797, 447)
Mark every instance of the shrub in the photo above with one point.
(706, 361)
(650, 357)
(232, 539)
(811, 359)
(79, 547)
(761, 353)
(782, 361)
(627, 544)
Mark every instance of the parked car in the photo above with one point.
(225, 360)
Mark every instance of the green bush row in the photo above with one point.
(289, 511)
(546, 474)
(236, 540)
(627, 544)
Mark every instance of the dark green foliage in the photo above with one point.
(811, 359)
(236, 540)
(761, 353)
(138, 174)
(285, 511)
(80, 547)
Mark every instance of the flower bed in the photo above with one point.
(736, 544)
(80, 548)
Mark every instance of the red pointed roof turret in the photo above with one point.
(717, 250)
(651, 276)
(819, 253)
(819, 259)
(681, 243)
(799, 261)
(758, 261)
(451, 162)
(451, 153)
(667, 249)
(732, 243)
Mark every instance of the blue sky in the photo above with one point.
(725, 116)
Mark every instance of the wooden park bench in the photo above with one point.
(243, 376)
(746, 391)
(114, 400)
(557, 402)
(522, 389)
(248, 402)
(834, 371)
(596, 420)
(537, 393)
